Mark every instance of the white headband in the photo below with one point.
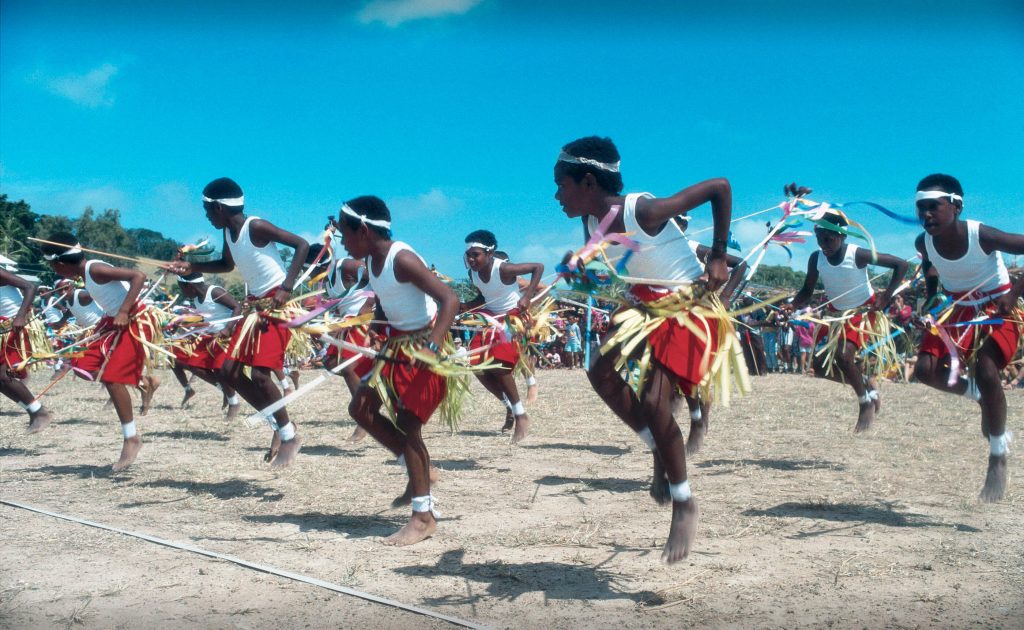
(231, 202)
(937, 194)
(73, 249)
(381, 223)
(195, 280)
(572, 159)
(486, 248)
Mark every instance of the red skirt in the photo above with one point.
(207, 354)
(676, 347)
(13, 348)
(358, 336)
(265, 343)
(418, 390)
(117, 356)
(501, 347)
(1005, 335)
(851, 330)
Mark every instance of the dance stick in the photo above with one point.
(147, 261)
(52, 383)
(266, 415)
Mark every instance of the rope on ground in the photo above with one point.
(256, 567)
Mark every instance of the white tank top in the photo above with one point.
(261, 267)
(211, 310)
(499, 298)
(85, 315)
(335, 288)
(109, 296)
(975, 270)
(10, 301)
(666, 256)
(693, 248)
(406, 307)
(845, 284)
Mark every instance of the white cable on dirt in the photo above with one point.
(256, 567)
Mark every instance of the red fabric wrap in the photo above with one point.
(118, 353)
(358, 336)
(12, 349)
(265, 345)
(1006, 335)
(207, 354)
(676, 347)
(419, 390)
(501, 347)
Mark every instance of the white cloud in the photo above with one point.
(432, 203)
(394, 13)
(91, 89)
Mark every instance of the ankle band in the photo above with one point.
(997, 444)
(287, 432)
(128, 429)
(647, 437)
(518, 409)
(425, 503)
(680, 491)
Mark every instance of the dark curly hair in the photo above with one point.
(594, 148)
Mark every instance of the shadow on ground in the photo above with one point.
(853, 513)
(353, 526)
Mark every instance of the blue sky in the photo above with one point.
(453, 111)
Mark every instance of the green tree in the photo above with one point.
(16, 223)
(153, 244)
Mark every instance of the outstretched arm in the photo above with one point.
(992, 240)
(103, 274)
(184, 268)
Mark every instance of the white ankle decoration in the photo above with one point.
(425, 504)
(998, 444)
(696, 415)
(865, 399)
(287, 432)
(233, 400)
(647, 437)
(872, 394)
(972, 390)
(286, 383)
(33, 406)
(401, 460)
(531, 381)
(680, 491)
(128, 430)
(505, 401)
(518, 409)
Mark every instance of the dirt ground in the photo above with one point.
(802, 524)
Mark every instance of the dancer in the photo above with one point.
(16, 295)
(859, 326)
(116, 355)
(204, 355)
(345, 279)
(499, 299)
(964, 255)
(589, 186)
(250, 243)
(408, 389)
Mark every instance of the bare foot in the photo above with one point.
(39, 420)
(682, 532)
(152, 383)
(510, 421)
(873, 386)
(232, 413)
(659, 485)
(865, 417)
(275, 445)
(434, 474)
(995, 479)
(189, 393)
(286, 454)
(695, 440)
(129, 451)
(531, 394)
(420, 526)
(357, 436)
(522, 428)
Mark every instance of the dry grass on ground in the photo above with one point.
(802, 523)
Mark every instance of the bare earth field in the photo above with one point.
(802, 523)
